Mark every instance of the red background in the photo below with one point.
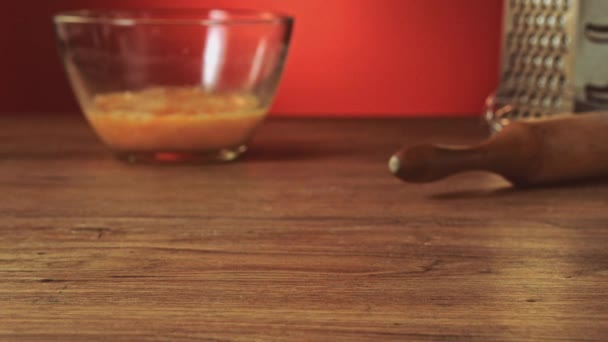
(378, 57)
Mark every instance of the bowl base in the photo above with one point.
(181, 157)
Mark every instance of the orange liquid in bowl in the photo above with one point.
(174, 120)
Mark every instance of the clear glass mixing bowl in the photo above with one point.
(174, 85)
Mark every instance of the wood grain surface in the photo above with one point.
(308, 238)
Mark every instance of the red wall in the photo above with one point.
(383, 57)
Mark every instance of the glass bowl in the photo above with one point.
(174, 85)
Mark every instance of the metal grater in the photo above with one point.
(554, 58)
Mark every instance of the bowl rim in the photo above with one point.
(158, 16)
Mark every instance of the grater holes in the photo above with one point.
(507, 93)
(562, 21)
(564, 42)
(541, 81)
(549, 61)
(557, 41)
(559, 63)
(514, 41)
(555, 82)
(558, 4)
(551, 21)
(523, 99)
(523, 40)
(540, 20)
(534, 101)
(516, 20)
(517, 79)
(558, 102)
(544, 41)
(530, 20)
(513, 59)
(519, 22)
(527, 60)
(531, 81)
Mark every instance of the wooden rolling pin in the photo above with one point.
(526, 153)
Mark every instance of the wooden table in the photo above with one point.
(308, 238)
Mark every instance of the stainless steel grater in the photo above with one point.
(554, 59)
